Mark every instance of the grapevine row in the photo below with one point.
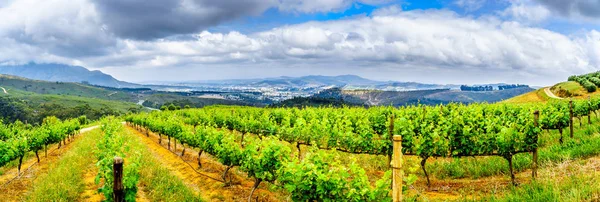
(268, 160)
(113, 145)
(17, 139)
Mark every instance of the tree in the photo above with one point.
(172, 107)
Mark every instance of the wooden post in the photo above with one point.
(391, 134)
(590, 109)
(397, 169)
(118, 190)
(571, 116)
(536, 115)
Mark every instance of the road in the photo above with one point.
(550, 94)
(88, 129)
(141, 103)
(4, 90)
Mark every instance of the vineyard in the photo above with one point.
(266, 143)
(17, 139)
(590, 81)
(309, 154)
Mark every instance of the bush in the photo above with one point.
(595, 81)
(589, 86)
(572, 78)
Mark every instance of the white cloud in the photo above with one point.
(470, 5)
(57, 26)
(526, 11)
(317, 6)
(433, 40)
(391, 43)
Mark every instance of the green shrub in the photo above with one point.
(589, 86)
(595, 81)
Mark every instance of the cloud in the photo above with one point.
(319, 6)
(589, 9)
(57, 26)
(391, 43)
(470, 5)
(151, 19)
(526, 11)
(434, 41)
(86, 28)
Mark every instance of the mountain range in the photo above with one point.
(351, 88)
(64, 73)
(68, 73)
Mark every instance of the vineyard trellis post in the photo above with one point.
(118, 189)
(536, 115)
(391, 134)
(571, 116)
(397, 169)
(590, 109)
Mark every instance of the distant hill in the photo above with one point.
(64, 88)
(147, 96)
(478, 96)
(286, 81)
(32, 107)
(427, 97)
(64, 73)
(314, 83)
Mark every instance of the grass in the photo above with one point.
(64, 181)
(586, 143)
(157, 181)
(533, 96)
(563, 89)
(570, 182)
(15, 163)
(568, 87)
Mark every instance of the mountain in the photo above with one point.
(64, 73)
(286, 81)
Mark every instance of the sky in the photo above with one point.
(536, 42)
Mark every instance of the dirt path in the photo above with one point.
(550, 94)
(206, 181)
(3, 89)
(90, 193)
(13, 187)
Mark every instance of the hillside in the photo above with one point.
(63, 73)
(156, 100)
(64, 88)
(428, 97)
(475, 96)
(34, 107)
(152, 98)
(573, 88)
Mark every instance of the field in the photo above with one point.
(519, 150)
(225, 153)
